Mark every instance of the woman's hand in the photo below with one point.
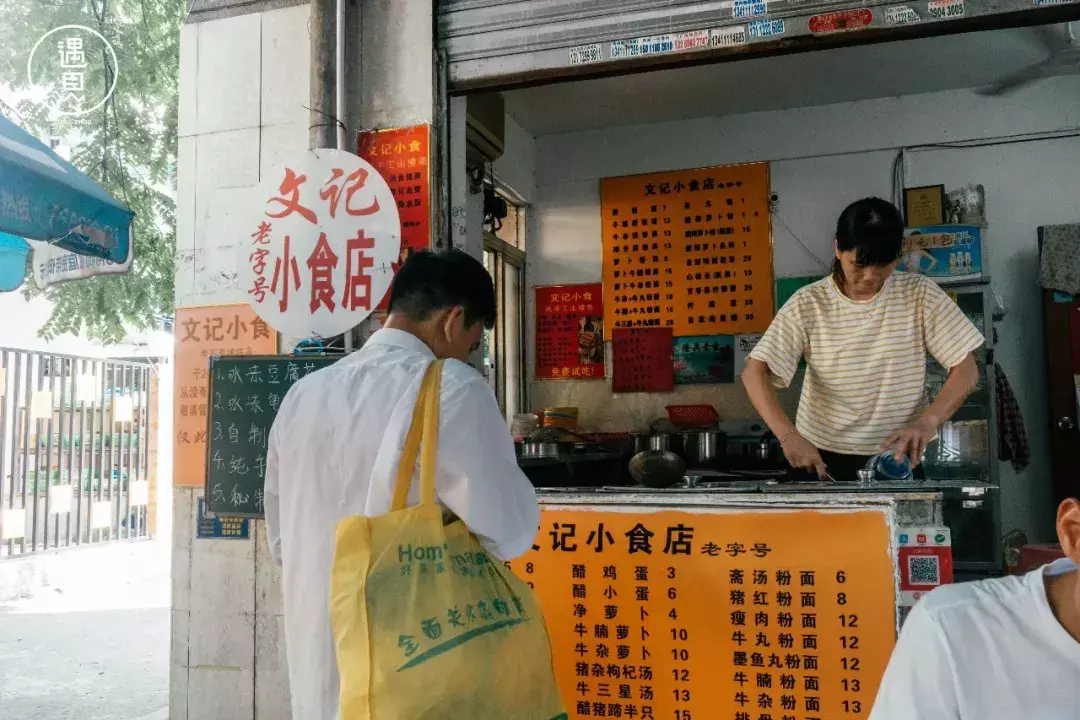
(801, 453)
(911, 440)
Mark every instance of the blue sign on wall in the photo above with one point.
(209, 525)
(944, 252)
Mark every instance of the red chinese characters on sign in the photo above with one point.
(356, 276)
(569, 332)
(202, 332)
(324, 246)
(840, 21)
(289, 200)
(331, 192)
(642, 360)
(401, 156)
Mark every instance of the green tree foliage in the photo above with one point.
(128, 146)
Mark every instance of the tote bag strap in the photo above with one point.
(422, 440)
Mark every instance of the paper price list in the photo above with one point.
(690, 250)
(694, 615)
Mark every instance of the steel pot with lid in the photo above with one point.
(702, 448)
(660, 441)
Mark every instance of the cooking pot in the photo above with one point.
(657, 469)
(701, 448)
(660, 442)
(533, 449)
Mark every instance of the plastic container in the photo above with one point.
(887, 467)
(692, 416)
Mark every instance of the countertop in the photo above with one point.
(771, 487)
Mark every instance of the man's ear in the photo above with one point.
(1068, 527)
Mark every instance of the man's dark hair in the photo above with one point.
(432, 281)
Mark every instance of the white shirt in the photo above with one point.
(333, 452)
(989, 650)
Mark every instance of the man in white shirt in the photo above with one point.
(337, 440)
(1001, 649)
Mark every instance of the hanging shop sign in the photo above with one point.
(704, 360)
(569, 332)
(690, 250)
(322, 246)
(201, 333)
(641, 359)
(401, 156)
(715, 615)
(840, 21)
(53, 265)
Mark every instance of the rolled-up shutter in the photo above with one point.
(502, 43)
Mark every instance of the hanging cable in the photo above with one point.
(799, 242)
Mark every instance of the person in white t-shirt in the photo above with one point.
(1001, 649)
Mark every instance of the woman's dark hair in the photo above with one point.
(432, 281)
(874, 229)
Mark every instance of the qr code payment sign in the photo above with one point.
(924, 570)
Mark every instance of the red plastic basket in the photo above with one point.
(692, 415)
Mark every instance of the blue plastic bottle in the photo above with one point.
(888, 467)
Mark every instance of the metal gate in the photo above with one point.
(75, 451)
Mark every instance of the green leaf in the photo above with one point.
(128, 146)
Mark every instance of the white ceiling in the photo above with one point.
(816, 78)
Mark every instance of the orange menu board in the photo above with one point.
(735, 615)
(199, 333)
(690, 250)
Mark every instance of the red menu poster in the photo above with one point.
(642, 360)
(401, 156)
(569, 332)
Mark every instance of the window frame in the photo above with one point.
(504, 255)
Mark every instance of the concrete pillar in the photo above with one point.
(244, 82)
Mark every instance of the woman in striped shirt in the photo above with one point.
(864, 332)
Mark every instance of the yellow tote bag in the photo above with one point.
(427, 625)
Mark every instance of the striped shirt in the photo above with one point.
(865, 361)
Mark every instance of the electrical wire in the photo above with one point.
(899, 170)
(798, 241)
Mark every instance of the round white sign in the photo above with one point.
(321, 247)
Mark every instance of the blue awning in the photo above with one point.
(13, 254)
(44, 197)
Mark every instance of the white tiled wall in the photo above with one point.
(244, 82)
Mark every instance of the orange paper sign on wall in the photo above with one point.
(707, 615)
(201, 332)
(690, 250)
